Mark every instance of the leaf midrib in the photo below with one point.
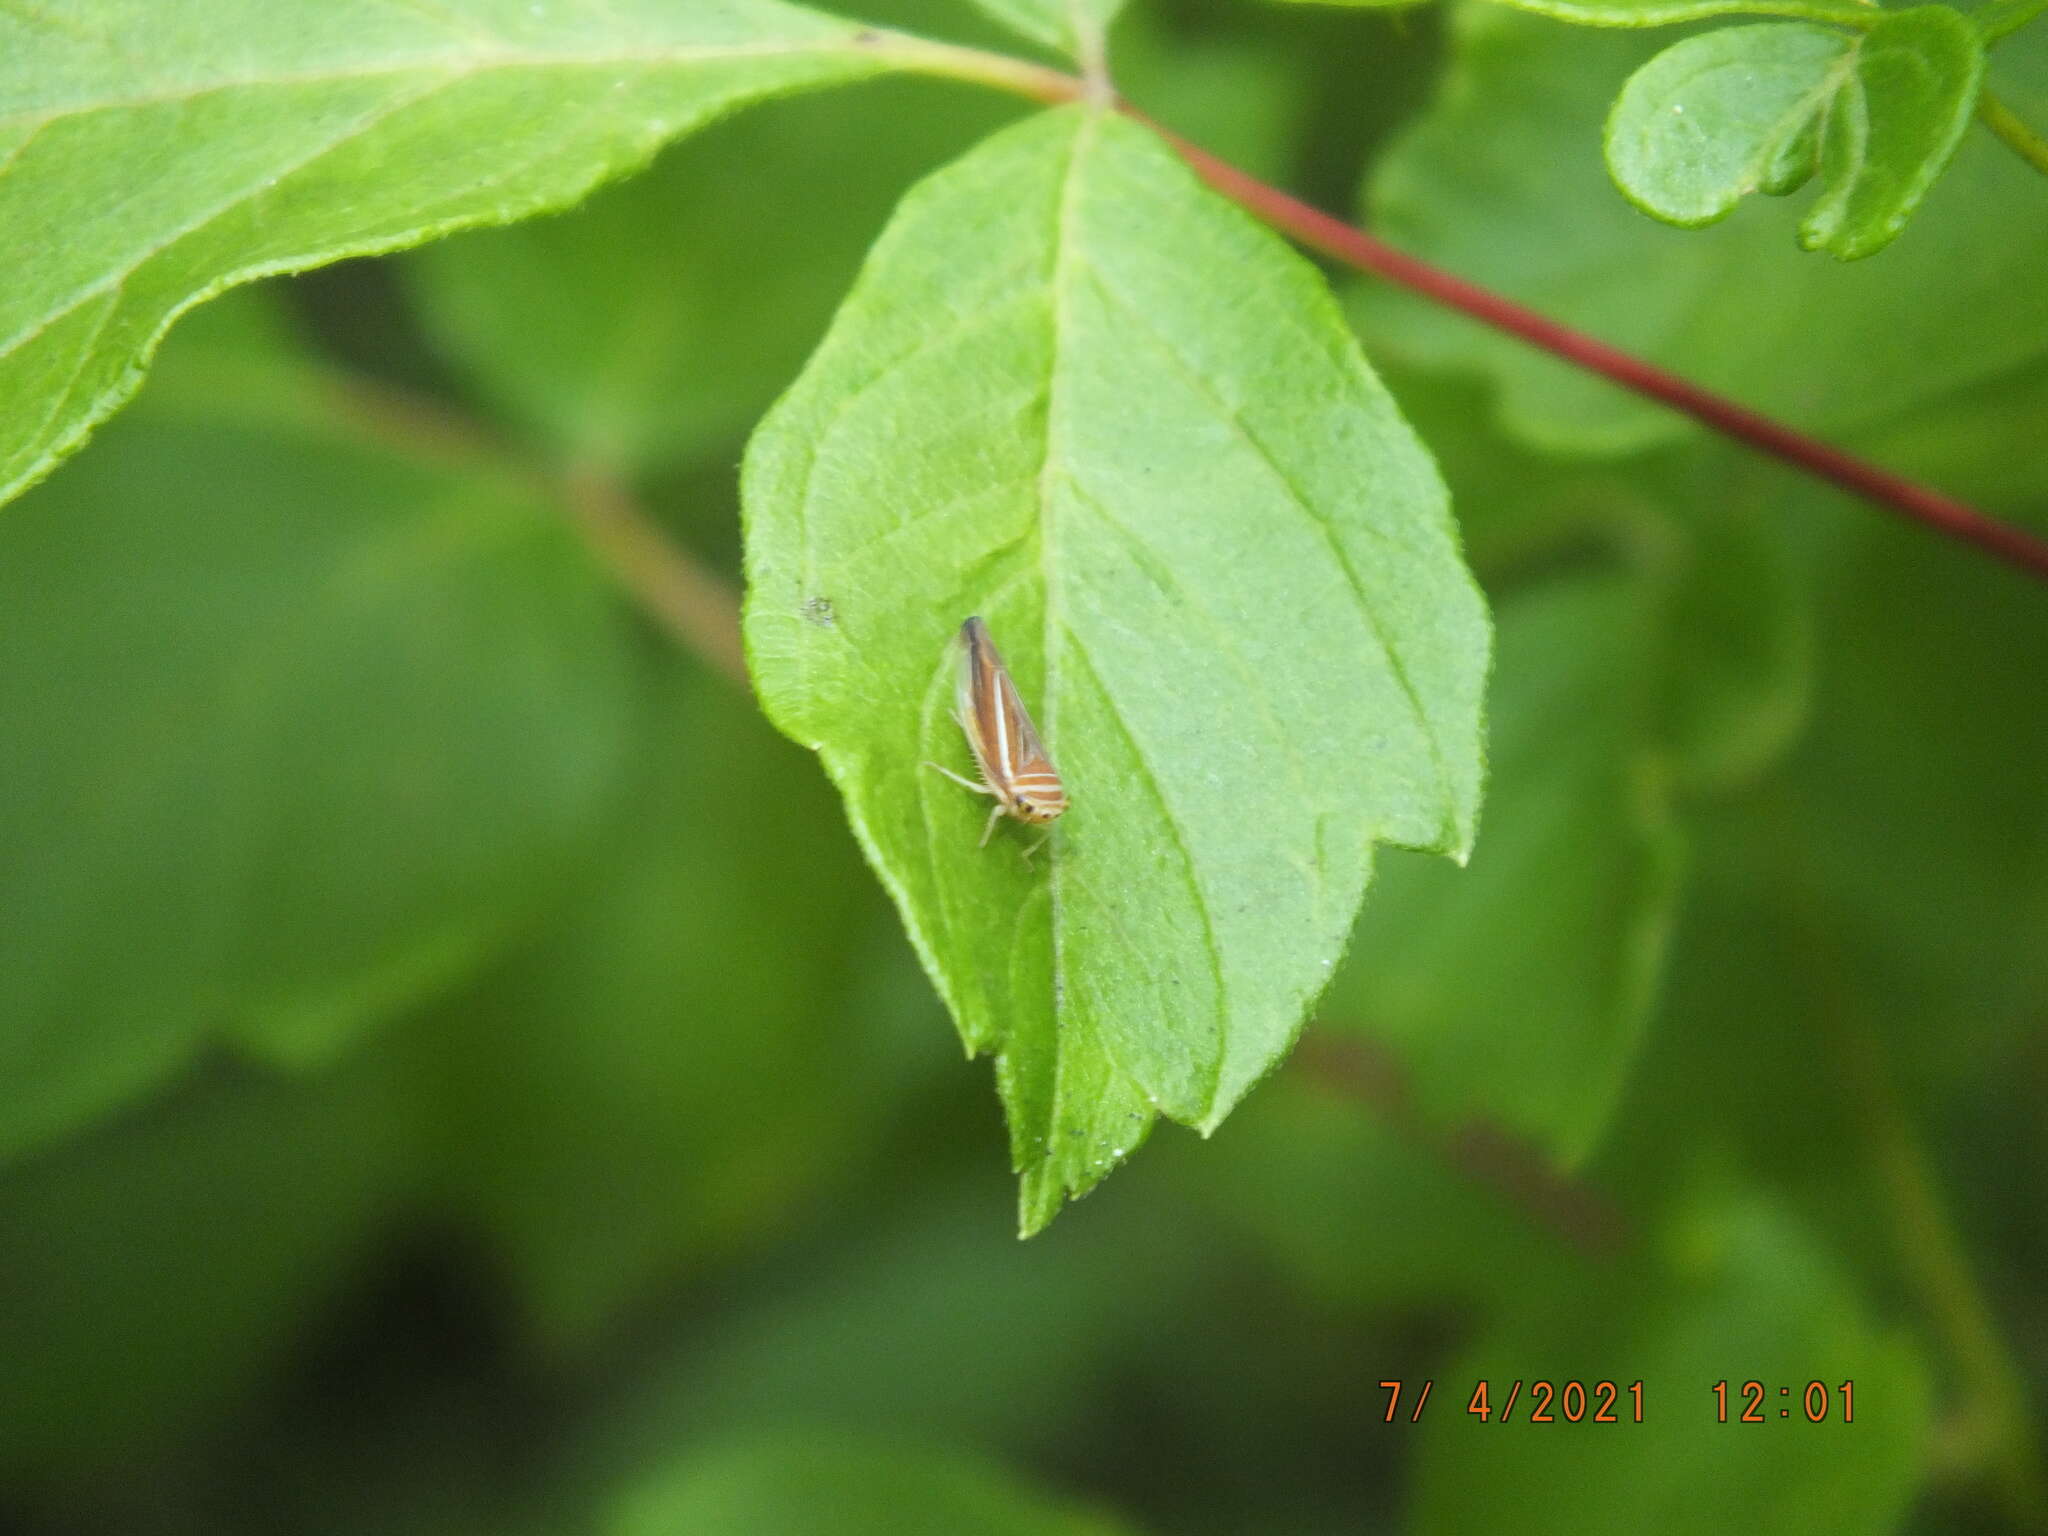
(115, 279)
(1053, 620)
(1234, 419)
(1068, 269)
(457, 66)
(452, 70)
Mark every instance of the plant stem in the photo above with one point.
(1341, 242)
(1353, 247)
(1360, 1070)
(918, 55)
(696, 605)
(693, 603)
(2018, 137)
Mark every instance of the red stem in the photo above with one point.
(1354, 247)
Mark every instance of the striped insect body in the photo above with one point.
(1015, 768)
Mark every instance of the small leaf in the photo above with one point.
(1892, 127)
(1792, 167)
(1075, 28)
(1718, 116)
(1855, 352)
(1078, 395)
(145, 164)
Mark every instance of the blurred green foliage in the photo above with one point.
(457, 1075)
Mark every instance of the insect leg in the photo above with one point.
(979, 789)
(995, 815)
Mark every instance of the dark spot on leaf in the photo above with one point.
(819, 611)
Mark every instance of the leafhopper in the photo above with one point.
(1013, 761)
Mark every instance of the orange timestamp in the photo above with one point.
(1541, 1401)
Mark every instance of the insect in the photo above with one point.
(1013, 763)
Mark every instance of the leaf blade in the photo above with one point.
(286, 148)
(1131, 482)
(1710, 120)
(1893, 127)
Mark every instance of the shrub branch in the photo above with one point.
(1353, 247)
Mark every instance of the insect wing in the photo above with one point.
(1027, 757)
(979, 705)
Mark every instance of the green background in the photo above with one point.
(457, 1073)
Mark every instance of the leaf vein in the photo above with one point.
(1234, 419)
(1296, 770)
(78, 368)
(867, 547)
(1064, 214)
(456, 66)
(115, 279)
(1149, 779)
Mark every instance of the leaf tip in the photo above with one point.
(1040, 1195)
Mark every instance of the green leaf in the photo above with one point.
(1740, 1293)
(1518, 991)
(1892, 127)
(298, 726)
(145, 166)
(1720, 115)
(1076, 394)
(1075, 28)
(797, 1482)
(1489, 185)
